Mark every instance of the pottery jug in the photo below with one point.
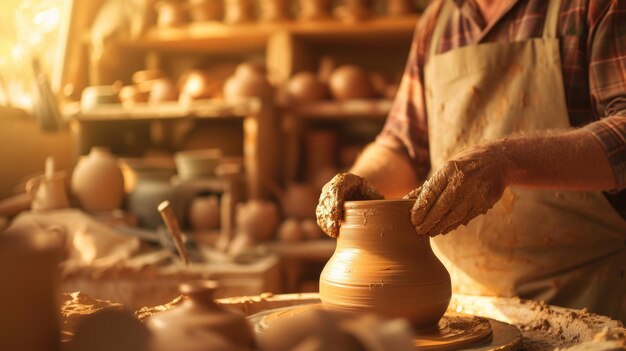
(97, 181)
(380, 265)
(197, 316)
(204, 212)
(48, 193)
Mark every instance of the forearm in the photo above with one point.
(572, 160)
(388, 171)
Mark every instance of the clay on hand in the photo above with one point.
(461, 189)
(343, 187)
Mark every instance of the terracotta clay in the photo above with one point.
(258, 219)
(97, 181)
(291, 230)
(199, 316)
(381, 265)
(351, 82)
(248, 81)
(306, 87)
(204, 212)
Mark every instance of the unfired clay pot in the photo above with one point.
(306, 87)
(248, 81)
(97, 181)
(258, 219)
(351, 82)
(199, 315)
(204, 212)
(389, 269)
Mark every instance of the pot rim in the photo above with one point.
(369, 203)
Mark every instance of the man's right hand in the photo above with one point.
(343, 187)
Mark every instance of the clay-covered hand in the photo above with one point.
(343, 187)
(461, 189)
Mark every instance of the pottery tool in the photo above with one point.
(174, 229)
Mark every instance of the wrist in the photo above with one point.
(504, 155)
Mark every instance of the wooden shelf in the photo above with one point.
(169, 110)
(335, 110)
(222, 38)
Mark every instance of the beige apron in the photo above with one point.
(567, 248)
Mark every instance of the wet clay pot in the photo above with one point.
(201, 317)
(97, 181)
(380, 265)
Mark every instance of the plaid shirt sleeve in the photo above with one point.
(607, 80)
(406, 128)
(611, 133)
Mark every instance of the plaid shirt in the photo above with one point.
(592, 36)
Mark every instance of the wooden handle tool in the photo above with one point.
(172, 225)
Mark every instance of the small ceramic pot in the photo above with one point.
(354, 11)
(305, 87)
(381, 265)
(258, 219)
(204, 212)
(291, 230)
(248, 81)
(161, 90)
(351, 82)
(399, 8)
(206, 10)
(299, 201)
(170, 13)
(239, 11)
(48, 193)
(201, 317)
(274, 10)
(97, 181)
(315, 10)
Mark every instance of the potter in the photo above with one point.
(480, 139)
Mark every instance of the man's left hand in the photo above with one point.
(464, 187)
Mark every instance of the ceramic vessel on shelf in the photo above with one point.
(399, 8)
(204, 212)
(238, 11)
(354, 11)
(299, 201)
(206, 10)
(194, 164)
(201, 317)
(315, 10)
(170, 13)
(274, 10)
(94, 96)
(381, 265)
(161, 90)
(306, 87)
(48, 193)
(258, 219)
(97, 181)
(351, 82)
(248, 81)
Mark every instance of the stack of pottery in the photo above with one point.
(97, 182)
(200, 324)
(380, 265)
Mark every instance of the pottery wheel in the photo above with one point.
(454, 331)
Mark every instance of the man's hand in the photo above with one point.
(464, 187)
(343, 187)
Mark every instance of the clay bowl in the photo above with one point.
(96, 95)
(351, 82)
(306, 87)
(195, 164)
(380, 265)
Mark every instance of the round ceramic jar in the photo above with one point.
(381, 265)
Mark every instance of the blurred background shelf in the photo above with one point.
(341, 110)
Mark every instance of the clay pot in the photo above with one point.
(299, 201)
(315, 10)
(97, 181)
(239, 11)
(248, 81)
(306, 87)
(131, 95)
(258, 219)
(48, 193)
(206, 10)
(291, 230)
(204, 212)
(162, 90)
(170, 13)
(197, 164)
(152, 186)
(389, 269)
(354, 11)
(94, 96)
(274, 10)
(143, 76)
(201, 317)
(196, 85)
(311, 230)
(399, 8)
(351, 82)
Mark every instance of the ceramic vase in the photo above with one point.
(97, 181)
(48, 193)
(380, 265)
(200, 318)
(249, 81)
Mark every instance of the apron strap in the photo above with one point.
(440, 26)
(552, 19)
